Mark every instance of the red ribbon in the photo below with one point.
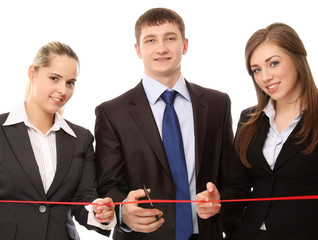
(168, 201)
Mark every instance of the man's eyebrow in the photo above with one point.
(165, 34)
(149, 36)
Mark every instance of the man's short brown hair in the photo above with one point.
(156, 17)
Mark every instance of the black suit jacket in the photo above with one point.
(20, 180)
(294, 174)
(130, 153)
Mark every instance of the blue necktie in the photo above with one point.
(173, 144)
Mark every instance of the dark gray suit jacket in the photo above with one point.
(20, 180)
(130, 153)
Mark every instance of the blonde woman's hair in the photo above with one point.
(43, 57)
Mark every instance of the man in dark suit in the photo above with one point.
(129, 130)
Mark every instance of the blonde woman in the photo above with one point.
(46, 158)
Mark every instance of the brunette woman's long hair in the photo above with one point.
(286, 38)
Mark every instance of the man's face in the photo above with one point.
(161, 49)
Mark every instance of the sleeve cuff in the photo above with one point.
(93, 221)
(122, 225)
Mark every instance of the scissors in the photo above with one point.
(148, 196)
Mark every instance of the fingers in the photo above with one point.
(208, 205)
(103, 212)
(140, 219)
(209, 186)
(135, 195)
(211, 194)
(205, 212)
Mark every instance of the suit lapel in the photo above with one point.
(200, 113)
(257, 145)
(20, 142)
(64, 153)
(141, 112)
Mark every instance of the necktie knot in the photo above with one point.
(168, 97)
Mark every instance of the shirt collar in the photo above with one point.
(61, 123)
(271, 113)
(18, 115)
(154, 88)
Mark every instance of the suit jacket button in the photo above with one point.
(171, 231)
(42, 208)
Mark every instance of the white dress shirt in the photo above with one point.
(44, 149)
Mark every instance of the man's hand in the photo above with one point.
(208, 209)
(140, 219)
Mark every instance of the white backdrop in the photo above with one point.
(102, 34)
